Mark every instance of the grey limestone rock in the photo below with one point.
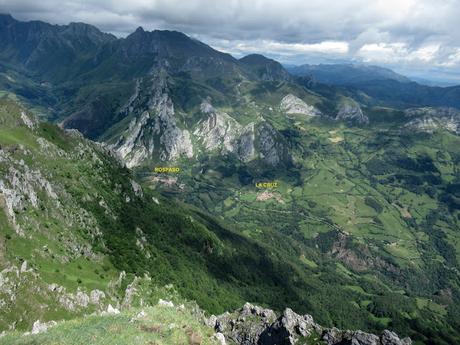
(430, 119)
(352, 112)
(291, 104)
(253, 325)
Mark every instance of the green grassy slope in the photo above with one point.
(152, 325)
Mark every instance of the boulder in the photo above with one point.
(40, 327)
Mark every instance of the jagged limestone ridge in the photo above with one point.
(219, 131)
(156, 125)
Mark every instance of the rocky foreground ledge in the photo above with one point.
(171, 323)
(253, 325)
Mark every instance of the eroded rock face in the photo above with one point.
(291, 104)
(20, 187)
(253, 325)
(246, 150)
(335, 336)
(288, 328)
(352, 112)
(430, 119)
(79, 300)
(135, 147)
(391, 338)
(218, 130)
(28, 120)
(270, 146)
(155, 130)
(246, 325)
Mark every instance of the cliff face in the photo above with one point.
(217, 130)
(155, 129)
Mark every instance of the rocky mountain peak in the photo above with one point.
(140, 29)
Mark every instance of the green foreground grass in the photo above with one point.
(153, 325)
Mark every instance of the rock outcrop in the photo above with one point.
(430, 119)
(253, 325)
(246, 150)
(154, 131)
(270, 145)
(41, 327)
(291, 104)
(218, 130)
(352, 112)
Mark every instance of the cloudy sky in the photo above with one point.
(420, 38)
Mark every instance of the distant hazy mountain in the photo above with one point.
(383, 85)
(346, 74)
(435, 82)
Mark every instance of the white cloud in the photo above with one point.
(382, 52)
(432, 55)
(452, 59)
(427, 53)
(280, 48)
(325, 47)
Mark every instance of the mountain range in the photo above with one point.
(384, 86)
(329, 189)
